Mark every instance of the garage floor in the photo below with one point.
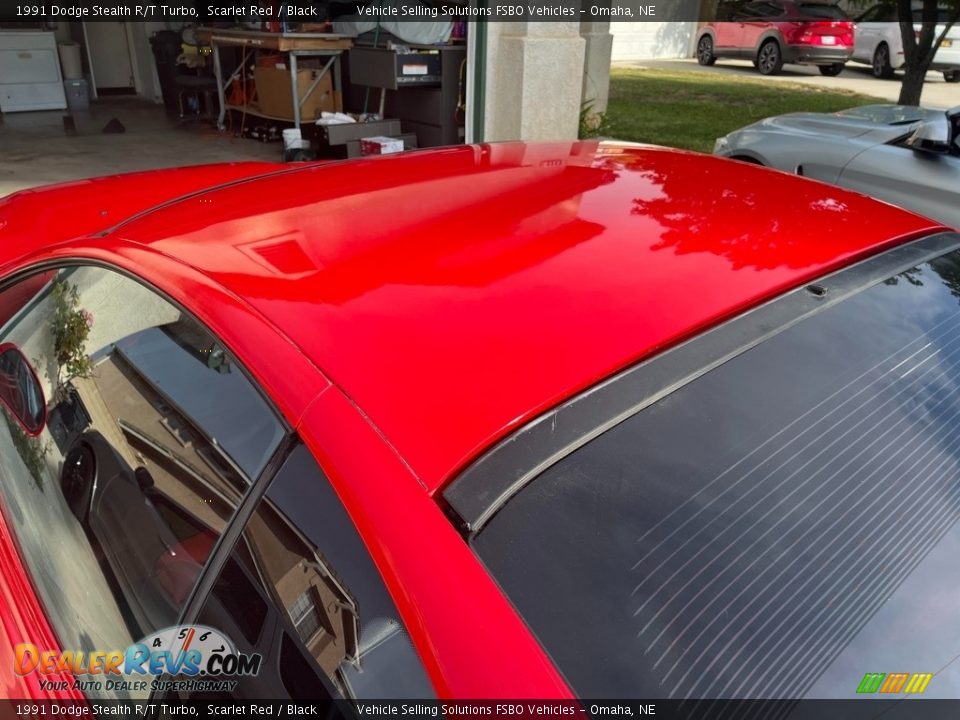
(35, 150)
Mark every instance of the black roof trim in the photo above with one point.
(489, 482)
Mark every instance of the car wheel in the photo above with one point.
(76, 480)
(832, 70)
(881, 62)
(705, 54)
(770, 59)
(952, 76)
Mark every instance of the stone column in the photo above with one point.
(534, 80)
(596, 65)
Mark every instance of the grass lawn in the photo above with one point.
(691, 109)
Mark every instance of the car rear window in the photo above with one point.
(818, 10)
(778, 527)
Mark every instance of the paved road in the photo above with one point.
(856, 77)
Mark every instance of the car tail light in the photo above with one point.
(823, 33)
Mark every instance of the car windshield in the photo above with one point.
(891, 114)
(776, 528)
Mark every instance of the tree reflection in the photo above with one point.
(735, 218)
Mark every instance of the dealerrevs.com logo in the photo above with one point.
(181, 651)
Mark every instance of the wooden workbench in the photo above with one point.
(296, 45)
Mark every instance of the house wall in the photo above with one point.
(652, 40)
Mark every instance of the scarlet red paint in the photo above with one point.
(406, 312)
(456, 294)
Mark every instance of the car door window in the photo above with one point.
(748, 12)
(300, 588)
(153, 435)
(727, 11)
(887, 14)
(942, 17)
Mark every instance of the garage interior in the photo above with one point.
(80, 99)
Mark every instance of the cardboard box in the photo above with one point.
(380, 145)
(351, 148)
(275, 95)
(343, 141)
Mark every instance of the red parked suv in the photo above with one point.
(774, 32)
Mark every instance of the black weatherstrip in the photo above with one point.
(490, 481)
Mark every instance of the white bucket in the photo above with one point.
(70, 60)
(292, 140)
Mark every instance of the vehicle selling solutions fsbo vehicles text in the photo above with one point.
(504, 11)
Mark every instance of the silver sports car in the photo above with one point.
(908, 156)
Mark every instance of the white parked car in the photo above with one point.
(877, 42)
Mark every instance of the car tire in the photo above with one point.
(705, 54)
(881, 62)
(832, 70)
(770, 58)
(952, 76)
(76, 480)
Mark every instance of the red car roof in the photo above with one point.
(41, 216)
(454, 294)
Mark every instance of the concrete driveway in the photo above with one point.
(855, 77)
